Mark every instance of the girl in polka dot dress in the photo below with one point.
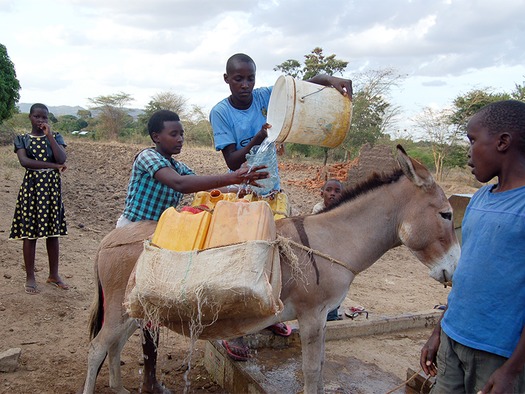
(39, 211)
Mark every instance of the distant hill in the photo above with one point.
(61, 110)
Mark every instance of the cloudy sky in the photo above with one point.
(66, 51)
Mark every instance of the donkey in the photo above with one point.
(405, 207)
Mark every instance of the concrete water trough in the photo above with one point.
(276, 365)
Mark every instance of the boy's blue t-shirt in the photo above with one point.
(235, 126)
(486, 304)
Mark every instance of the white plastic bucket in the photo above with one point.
(307, 113)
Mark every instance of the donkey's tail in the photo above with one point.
(96, 316)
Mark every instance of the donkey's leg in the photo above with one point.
(96, 356)
(119, 338)
(312, 328)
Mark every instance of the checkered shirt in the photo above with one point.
(147, 198)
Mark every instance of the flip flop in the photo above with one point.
(281, 329)
(355, 311)
(233, 351)
(58, 283)
(32, 290)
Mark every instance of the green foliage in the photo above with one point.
(198, 134)
(163, 100)
(518, 93)
(198, 130)
(9, 86)
(17, 124)
(7, 134)
(457, 157)
(112, 120)
(372, 113)
(367, 118)
(315, 63)
(290, 67)
(300, 150)
(467, 105)
(69, 123)
(423, 155)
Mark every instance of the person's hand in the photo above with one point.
(45, 128)
(501, 381)
(264, 130)
(249, 176)
(427, 359)
(344, 86)
(61, 167)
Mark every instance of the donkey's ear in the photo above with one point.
(414, 170)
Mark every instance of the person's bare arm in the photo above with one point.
(235, 158)
(58, 150)
(194, 183)
(429, 351)
(344, 86)
(32, 164)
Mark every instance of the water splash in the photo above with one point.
(268, 158)
(264, 145)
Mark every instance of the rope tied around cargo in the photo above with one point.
(284, 244)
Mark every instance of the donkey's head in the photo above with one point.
(426, 225)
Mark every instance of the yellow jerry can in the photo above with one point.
(211, 198)
(234, 222)
(181, 231)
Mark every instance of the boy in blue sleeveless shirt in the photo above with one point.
(479, 345)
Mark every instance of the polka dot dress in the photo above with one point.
(39, 211)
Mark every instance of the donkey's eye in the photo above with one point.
(446, 215)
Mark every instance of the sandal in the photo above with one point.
(236, 353)
(31, 289)
(58, 283)
(280, 329)
(355, 311)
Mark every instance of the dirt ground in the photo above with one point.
(51, 327)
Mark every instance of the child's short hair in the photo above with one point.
(238, 57)
(506, 115)
(332, 180)
(36, 106)
(156, 121)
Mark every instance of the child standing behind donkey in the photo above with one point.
(39, 211)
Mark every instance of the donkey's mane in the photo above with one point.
(374, 181)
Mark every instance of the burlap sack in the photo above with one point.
(229, 282)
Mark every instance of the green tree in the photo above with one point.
(373, 115)
(518, 93)
(315, 63)
(443, 135)
(466, 105)
(9, 86)
(69, 123)
(198, 127)
(163, 100)
(112, 118)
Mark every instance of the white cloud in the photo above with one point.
(67, 51)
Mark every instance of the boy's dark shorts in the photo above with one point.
(462, 369)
